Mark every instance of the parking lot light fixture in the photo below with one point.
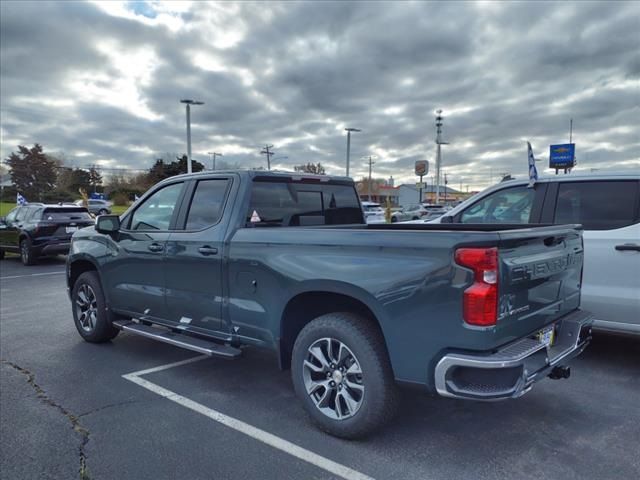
(349, 130)
(188, 103)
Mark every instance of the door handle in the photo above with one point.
(207, 250)
(155, 247)
(628, 247)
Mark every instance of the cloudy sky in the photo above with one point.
(101, 82)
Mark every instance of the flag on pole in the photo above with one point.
(533, 171)
(20, 200)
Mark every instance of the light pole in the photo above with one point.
(213, 159)
(439, 142)
(349, 130)
(189, 103)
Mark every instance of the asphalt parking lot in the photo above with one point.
(70, 409)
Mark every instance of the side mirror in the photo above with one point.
(446, 219)
(108, 224)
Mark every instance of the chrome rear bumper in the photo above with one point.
(511, 371)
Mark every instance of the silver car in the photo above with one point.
(97, 207)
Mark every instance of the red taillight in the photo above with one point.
(480, 300)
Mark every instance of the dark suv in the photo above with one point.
(36, 230)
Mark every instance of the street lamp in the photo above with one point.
(213, 158)
(189, 103)
(349, 130)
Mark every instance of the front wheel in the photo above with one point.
(341, 372)
(103, 212)
(91, 317)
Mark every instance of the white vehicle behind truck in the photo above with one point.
(608, 207)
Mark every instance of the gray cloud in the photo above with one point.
(105, 88)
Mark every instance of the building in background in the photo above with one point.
(408, 194)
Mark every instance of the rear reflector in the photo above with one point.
(480, 300)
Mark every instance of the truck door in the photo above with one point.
(194, 257)
(609, 212)
(135, 278)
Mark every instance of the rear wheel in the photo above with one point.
(341, 372)
(26, 252)
(92, 318)
(102, 212)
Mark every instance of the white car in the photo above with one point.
(608, 207)
(373, 212)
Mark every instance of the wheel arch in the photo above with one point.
(79, 266)
(305, 306)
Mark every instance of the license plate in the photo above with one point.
(547, 336)
(71, 229)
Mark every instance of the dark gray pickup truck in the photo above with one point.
(216, 262)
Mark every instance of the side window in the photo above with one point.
(301, 204)
(511, 205)
(597, 205)
(157, 210)
(207, 204)
(21, 214)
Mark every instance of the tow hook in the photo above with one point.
(560, 372)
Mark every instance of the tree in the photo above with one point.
(95, 178)
(316, 168)
(72, 179)
(33, 174)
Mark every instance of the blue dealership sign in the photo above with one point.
(562, 156)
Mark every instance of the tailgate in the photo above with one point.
(540, 277)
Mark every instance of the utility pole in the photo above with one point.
(268, 153)
(349, 130)
(369, 159)
(439, 142)
(213, 159)
(188, 103)
(371, 164)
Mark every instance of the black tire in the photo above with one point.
(394, 219)
(99, 328)
(379, 399)
(1, 254)
(27, 255)
(415, 218)
(103, 212)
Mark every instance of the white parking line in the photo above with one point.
(240, 426)
(32, 275)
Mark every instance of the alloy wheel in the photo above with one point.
(86, 308)
(333, 378)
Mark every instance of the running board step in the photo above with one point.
(183, 341)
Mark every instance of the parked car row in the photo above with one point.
(419, 211)
(37, 229)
